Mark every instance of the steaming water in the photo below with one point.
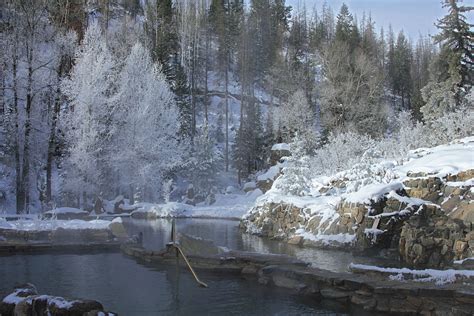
(226, 233)
(130, 288)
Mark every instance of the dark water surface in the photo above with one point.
(130, 288)
(226, 233)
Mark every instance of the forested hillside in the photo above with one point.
(149, 98)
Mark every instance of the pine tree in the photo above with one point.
(225, 17)
(160, 28)
(205, 163)
(180, 88)
(402, 81)
(457, 36)
(451, 72)
(248, 151)
(422, 57)
(344, 25)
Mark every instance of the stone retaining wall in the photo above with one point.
(432, 232)
(373, 294)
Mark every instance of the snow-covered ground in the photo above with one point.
(65, 210)
(230, 206)
(49, 225)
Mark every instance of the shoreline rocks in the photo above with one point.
(25, 301)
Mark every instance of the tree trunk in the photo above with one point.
(206, 63)
(20, 190)
(193, 92)
(227, 117)
(84, 200)
(52, 139)
(26, 145)
(132, 195)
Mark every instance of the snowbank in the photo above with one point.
(48, 225)
(66, 210)
(281, 146)
(427, 275)
(341, 238)
(248, 186)
(232, 206)
(271, 173)
(441, 160)
(372, 192)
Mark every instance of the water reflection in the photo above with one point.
(128, 288)
(226, 233)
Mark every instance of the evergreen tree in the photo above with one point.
(422, 57)
(180, 88)
(344, 25)
(369, 43)
(266, 34)
(248, 150)
(161, 32)
(401, 80)
(390, 65)
(204, 164)
(451, 73)
(457, 36)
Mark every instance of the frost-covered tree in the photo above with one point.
(145, 142)
(295, 115)
(30, 59)
(87, 126)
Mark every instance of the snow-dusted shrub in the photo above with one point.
(407, 136)
(294, 116)
(166, 189)
(450, 126)
(411, 135)
(341, 152)
(363, 160)
(297, 178)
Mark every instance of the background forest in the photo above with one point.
(146, 98)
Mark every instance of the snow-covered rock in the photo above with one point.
(367, 206)
(24, 299)
(281, 147)
(249, 186)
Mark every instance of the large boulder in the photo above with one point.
(279, 151)
(8, 303)
(117, 228)
(265, 180)
(25, 301)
